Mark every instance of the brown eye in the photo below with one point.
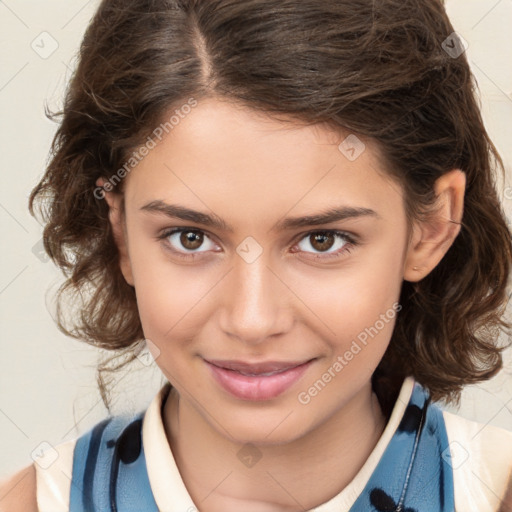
(322, 241)
(187, 242)
(191, 239)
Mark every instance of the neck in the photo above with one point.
(298, 475)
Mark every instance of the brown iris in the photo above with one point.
(322, 241)
(191, 239)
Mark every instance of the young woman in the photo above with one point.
(293, 206)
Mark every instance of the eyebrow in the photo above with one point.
(214, 221)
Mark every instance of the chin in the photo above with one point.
(277, 429)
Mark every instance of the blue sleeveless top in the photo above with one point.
(414, 473)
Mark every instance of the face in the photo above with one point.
(318, 297)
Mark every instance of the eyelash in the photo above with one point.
(350, 242)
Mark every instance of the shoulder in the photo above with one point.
(53, 468)
(75, 460)
(488, 444)
(18, 491)
(481, 460)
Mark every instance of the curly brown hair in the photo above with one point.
(380, 69)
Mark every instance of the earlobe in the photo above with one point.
(119, 231)
(432, 238)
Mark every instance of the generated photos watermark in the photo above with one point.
(144, 149)
(305, 397)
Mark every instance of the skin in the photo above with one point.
(252, 172)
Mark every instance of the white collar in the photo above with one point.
(170, 492)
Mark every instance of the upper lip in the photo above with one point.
(256, 368)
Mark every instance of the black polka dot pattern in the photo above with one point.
(130, 442)
(411, 419)
(385, 503)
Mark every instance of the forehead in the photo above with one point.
(226, 157)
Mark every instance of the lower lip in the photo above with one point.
(257, 387)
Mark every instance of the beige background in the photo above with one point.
(47, 381)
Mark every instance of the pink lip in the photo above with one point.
(257, 386)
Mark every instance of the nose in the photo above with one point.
(255, 303)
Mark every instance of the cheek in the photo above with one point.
(170, 312)
(170, 309)
(347, 300)
(169, 296)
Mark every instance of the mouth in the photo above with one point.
(256, 369)
(257, 381)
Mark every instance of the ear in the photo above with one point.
(117, 221)
(432, 238)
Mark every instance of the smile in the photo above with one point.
(261, 381)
